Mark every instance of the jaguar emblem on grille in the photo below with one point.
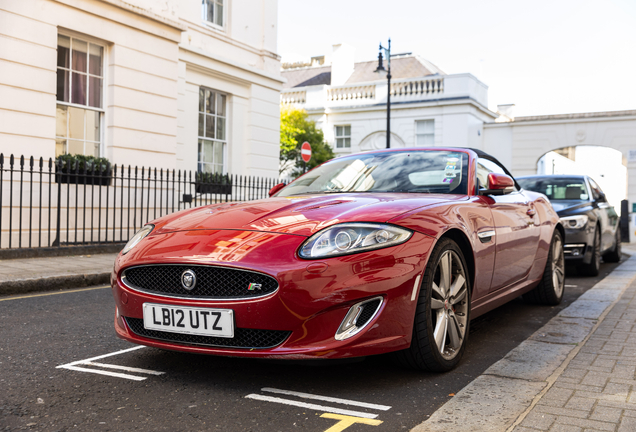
(254, 286)
(188, 279)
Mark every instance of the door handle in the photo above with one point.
(531, 212)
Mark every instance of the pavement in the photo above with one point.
(575, 374)
(24, 275)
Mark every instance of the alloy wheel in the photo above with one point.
(558, 267)
(448, 304)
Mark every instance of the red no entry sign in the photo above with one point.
(305, 151)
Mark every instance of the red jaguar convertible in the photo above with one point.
(370, 253)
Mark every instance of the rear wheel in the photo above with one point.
(550, 289)
(593, 268)
(440, 330)
(614, 255)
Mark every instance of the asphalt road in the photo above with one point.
(175, 391)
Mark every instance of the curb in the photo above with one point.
(503, 395)
(53, 283)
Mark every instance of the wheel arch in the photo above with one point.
(561, 230)
(459, 237)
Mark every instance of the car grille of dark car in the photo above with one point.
(368, 309)
(211, 282)
(243, 338)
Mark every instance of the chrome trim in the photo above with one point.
(573, 245)
(486, 234)
(154, 293)
(352, 316)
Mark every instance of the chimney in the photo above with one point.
(342, 60)
(506, 113)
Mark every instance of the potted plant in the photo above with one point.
(213, 183)
(81, 169)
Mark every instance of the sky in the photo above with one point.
(546, 57)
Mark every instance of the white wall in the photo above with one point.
(457, 124)
(156, 53)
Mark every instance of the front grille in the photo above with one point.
(211, 282)
(243, 338)
(368, 309)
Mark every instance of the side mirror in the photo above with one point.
(498, 184)
(276, 188)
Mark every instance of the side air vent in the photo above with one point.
(358, 317)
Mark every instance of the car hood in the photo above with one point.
(567, 206)
(300, 215)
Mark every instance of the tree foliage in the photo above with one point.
(295, 129)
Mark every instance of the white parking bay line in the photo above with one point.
(102, 356)
(101, 372)
(126, 368)
(327, 399)
(311, 406)
(75, 366)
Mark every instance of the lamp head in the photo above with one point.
(380, 69)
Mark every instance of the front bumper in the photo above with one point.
(578, 247)
(304, 314)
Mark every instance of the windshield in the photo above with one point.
(415, 171)
(557, 188)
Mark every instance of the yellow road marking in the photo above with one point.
(346, 421)
(55, 293)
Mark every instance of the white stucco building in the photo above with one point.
(185, 84)
(348, 101)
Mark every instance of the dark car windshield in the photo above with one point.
(415, 171)
(557, 188)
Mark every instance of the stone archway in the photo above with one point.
(605, 165)
(377, 141)
(520, 143)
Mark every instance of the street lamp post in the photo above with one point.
(387, 71)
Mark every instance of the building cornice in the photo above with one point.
(459, 100)
(275, 82)
(603, 116)
(173, 25)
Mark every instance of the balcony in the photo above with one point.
(413, 90)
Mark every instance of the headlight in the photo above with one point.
(348, 238)
(141, 234)
(574, 222)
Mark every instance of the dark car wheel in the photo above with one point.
(614, 255)
(442, 317)
(593, 268)
(550, 289)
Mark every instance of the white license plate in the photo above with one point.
(190, 320)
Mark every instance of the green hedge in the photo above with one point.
(70, 162)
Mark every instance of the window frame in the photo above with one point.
(200, 138)
(211, 24)
(422, 134)
(337, 137)
(101, 110)
(495, 164)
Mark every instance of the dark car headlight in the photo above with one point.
(574, 222)
(348, 238)
(141, 234)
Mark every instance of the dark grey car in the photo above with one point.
(591, 224)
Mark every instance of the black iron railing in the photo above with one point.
(46, 204)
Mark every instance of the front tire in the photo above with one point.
(442, 317)
(550, 289)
